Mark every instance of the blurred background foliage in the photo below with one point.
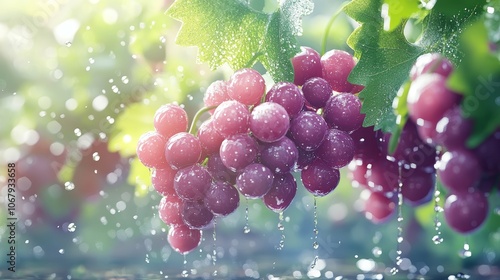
(82, 79)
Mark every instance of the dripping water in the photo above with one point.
(465, 251)
(437, 238)
(281, 228)
(315, 231)
(214, 249)
(184, 268)
(246, 229)
(400, 219)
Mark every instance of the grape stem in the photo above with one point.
(198, 114)
(330, 24)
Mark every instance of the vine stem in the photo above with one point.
(197, 116)
(330, 24)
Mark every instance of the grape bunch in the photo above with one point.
(252, 143)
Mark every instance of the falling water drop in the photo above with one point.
(214, 249)
(281, 228)
(184, 273)
(68, 44)
(315, 231)
(400, 219)
(465, 251)
(71, 227)
(246, 229)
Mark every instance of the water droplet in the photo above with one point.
(437, 239)
(68, 44)
(465, 251)
(125, 80)
(394, 271)
(214, 248)
(69, 186)
(281, 228)
(71, 227)
(314, 262)
(61, 251)
(246, 229)
(95, 156)
(377, 252)
(315, 244)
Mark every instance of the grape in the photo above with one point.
(488, 153)
(366, 142)
(317, 91)
(383, 176)
(163, 180)
(453, 129)
(306, 65)
(465, 212)
(428, 98)
(170, 119)
(308, 130)
(431, 63)
(269, 122)
(238, 151)
(210, 139)
(255, 180)
(221, 198)
(196, 215)
(287, 95)
(336, 65)
(427, 132)
(337, 149)
(282, 192)
(230, 118)
(319, 178)
(305, 157)
(45, 147)
(218, 170)
(151, 150)
(246, 86)
(357, 173)
(169, 210)
(417, 186)
(191, 182)
(459, 170)
(486, 183)
(182, 150)
(280, 156)
(379, 208)
(343, 111)
(34, 172)
(184, 239)
(215, 94)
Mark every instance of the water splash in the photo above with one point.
(281, 228)
(246, 229)
(315, 231)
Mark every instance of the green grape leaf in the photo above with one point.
(386, 57)
(394, 12)
(478, 79)
(229, 31)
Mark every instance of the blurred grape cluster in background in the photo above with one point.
(80, 81)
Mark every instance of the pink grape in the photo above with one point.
(287, 95)
(431, 63)
(466, 212)
(306, 65)
(317, 91)
(170, 119)
(210, 139)
(429, 98)
(319, 178)
(221, 198)
(163, 180)
(282, 192)
(379, 208)
(191, 182)
(343, 111)
(169, 210)
(238, 151)
(269, 122)
(184, 239)
(151, 150)
(196, 215)
(308, 130)
(230, 118)
(215, 94)
(182, 150)
(254, 181)
(337, 149)
(246, 86)
(336, 66)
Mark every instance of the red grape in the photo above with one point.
(184, 239)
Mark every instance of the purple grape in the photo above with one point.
(287, 95)
(453, 129)
(319, 178)
(269, 122)
(418, 186)
(305, 157)
(459, 170)
(431, 63)
(282, 192)
(255, 180)
(366, 143)
(427, 132)
(218, 170)
(238, 151)
(308, 130)
(231, 118)
(191, 183)
(343, 111)
(306, 65)
(182, 150)
(486, 183)
(466, 212)
(488, 153)
(383, 176)
(196, 215)
(317, 91)
(210, 139)
(280, 156)
(337, 149)
(221, 198)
